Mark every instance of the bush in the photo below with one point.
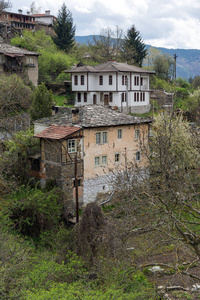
(34, 211)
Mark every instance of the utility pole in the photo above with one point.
(174, 67)
(126, 94)
(76, 188)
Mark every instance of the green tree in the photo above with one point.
(15, 96)
(163, 65)
(192, 104)
(42, 103)
(196, 82)
(64, 29)
(14, 160)
(133, 48)
(52, 61)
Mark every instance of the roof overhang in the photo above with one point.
(14, 54)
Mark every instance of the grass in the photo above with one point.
(61, 100)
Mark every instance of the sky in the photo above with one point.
(161, 23)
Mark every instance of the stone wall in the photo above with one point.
(140, 109)
(94, 186)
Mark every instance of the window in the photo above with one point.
(97, 161)
(138, 156)
(110, 80)
(142, 96)
(79, 97)
(111, 97)
(104, 137)
(137, 134)
(123, 97)
(124, 79)
(100, 160)
(75, 80)
(100, 80)
(94, 99)
(136, 80)
(117, 157)
(71, 146)
(79, 182)
(101, 137)
(82, 79)
(85, 97)
(119, 133)
(104, 160)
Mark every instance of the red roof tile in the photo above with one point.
(57, 132)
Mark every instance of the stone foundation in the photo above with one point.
(93, 187)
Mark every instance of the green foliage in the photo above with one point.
(14, 160)
(34, 41)
(33, 211)
(192, 103)
(133, 48)
(51, 62)
(173, 145)
(15, 96)
(64, 29)
(196, 82)
(119, 284)
(160, 84)
(42, 103)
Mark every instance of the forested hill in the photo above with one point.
(188, 61)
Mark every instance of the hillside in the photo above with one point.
(188, 61)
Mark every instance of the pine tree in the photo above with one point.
(134, 49)
(42, 104)
(64, 29)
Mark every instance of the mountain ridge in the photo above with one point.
(187, 62)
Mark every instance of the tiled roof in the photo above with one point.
(94, 116)
(57, 132)
(110, 66)
(9, 49)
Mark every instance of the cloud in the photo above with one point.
(161, 23)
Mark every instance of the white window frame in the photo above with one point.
(104, 160)
(97, 161)
(101, 137)
(72, 149)
(119, 134)
(137, 134)
(138, 156)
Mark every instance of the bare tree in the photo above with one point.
(4, 5)
(164, 200)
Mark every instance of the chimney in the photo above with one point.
(47, 12)
(20, 11)
(75, 115)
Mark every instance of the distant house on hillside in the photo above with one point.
(112, 84)
(44, 21)
(102, 139)
(19, 61)
(17, 20)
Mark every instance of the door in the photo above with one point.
(106, 100)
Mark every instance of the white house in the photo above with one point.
(112, 84)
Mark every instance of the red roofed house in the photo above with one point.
(88, 143)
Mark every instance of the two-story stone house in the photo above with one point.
(102, 141)
(112, 84)
(15, 60)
